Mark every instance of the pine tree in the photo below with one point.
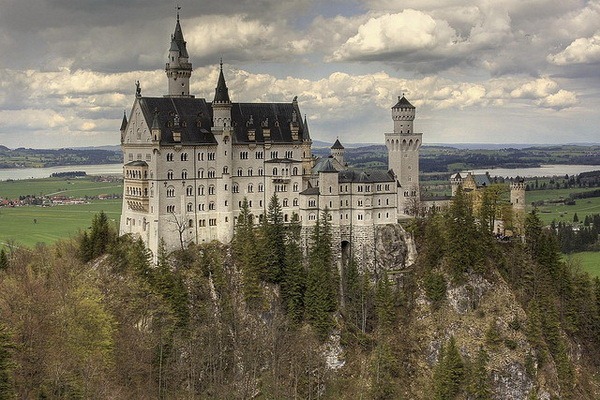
(352, 293)
(384, 304)
(245, 252)
(3, 260)
(294, 275)
(273, 242)
(479, 382)
(464, 247)
(6, 364)
(320, 296)
(449, 372)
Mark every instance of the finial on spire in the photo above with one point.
(138, 89)
(221, 63)
(178, 8)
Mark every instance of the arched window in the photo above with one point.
(170, 191)
(201, 190)
(184, 174)
(170, 174)
(275, 171)
(201, 173)
(295, 171)
(189, 191)
(190, 207)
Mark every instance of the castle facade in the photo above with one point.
(190, 163)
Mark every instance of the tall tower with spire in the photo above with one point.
(403, 155)
(221, 104)
(178, 67)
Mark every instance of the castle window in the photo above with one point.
(260, 203)
(406, 193)
(226, 203)
(211, 190)
(330, 189)
(190, 207)
(240, 172)
(225, 170)
(312, 217)
(261, 187)
(359, 217)
(285, 218)
(212, 222)
(387, 187)
(250, 188)
(184, 174)
(200, 156)
(360, 188)
(285, 202)
(211, 173)
(360, 203)
(225, 187)
(235, 188)
(259, 155)
(367, 188)
(170, 191)
(200, 173)
(169, 174)
(169, 156)
(243, 155)
(274, 154)
(289, 154)
(295, 187)
(200, 190)
(189, 191)
(387, 202)
(190, 223)
(202, 223)
(378, 202)
(184, 156)
(211, 156)
(211, 206)
(249, 171)
(171, 209)
(275, 171)
(201, 207)
(260, 172)
(312, 203)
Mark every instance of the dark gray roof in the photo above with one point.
(326, 166)
(137, 164)
(306, 136)
(195, 120)
(124, 122)
(221, 91)
(177, 42)
(337, 145)
(351, 176)
(403, 103)
(482, 180)
(258, 116)
(311, 190)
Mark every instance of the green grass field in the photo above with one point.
(561, 212)
(77, 187)
(52, 223)
(589, 260)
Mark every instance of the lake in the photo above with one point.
(117, 169)
(34, 173)
(544, 170)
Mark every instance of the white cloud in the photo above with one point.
(580, 51)
(396, 34)
(559, 100)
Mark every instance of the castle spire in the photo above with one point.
(178, 68)
(124, 122)
(221, 91)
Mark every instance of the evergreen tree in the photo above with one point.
(320, 296)
(294, 275)
(6, 364)
(575, 218)
(449, 373)
(3, 260)
(384, 304)
(273, 238)
(352, 293)
(479, 385)
(464, 247)
(170, 286)
(383, 371)
(245, 252)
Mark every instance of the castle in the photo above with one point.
(190, 163)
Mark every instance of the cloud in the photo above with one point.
(396, 35)
(560, 100)
(580, 51)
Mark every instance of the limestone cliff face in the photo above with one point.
(394, 248)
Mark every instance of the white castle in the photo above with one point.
(190, 163)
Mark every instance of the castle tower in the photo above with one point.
(307, 159)
(403, 155)
(517, 195)
(455, 181)
(337, 151)
(221, 104)
(178, 68)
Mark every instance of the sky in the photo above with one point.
(481, 71)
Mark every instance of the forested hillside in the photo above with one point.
(95, 318)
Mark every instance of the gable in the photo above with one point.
(137, 130)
